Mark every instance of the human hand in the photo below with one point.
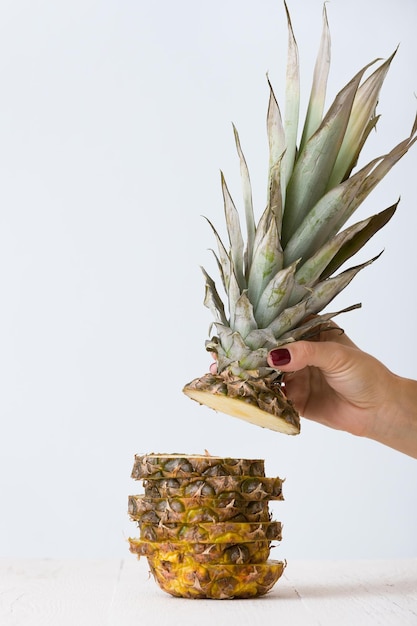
(333, 382)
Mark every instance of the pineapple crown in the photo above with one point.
(279, 281)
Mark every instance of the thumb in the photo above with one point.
(325, 355)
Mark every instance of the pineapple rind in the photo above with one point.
(219, 581)
(191, 511)
(217, 532)
(255, 400)
(202, 546)
(178, 465)
(228, 487)
(188, 552)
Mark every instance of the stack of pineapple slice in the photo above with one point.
(205, 525)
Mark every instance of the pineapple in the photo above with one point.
(205, 526)
(212, 532)
(177, 466)
(278, 282)
(192, 510)
(219, 581)
(220, 487)
(187, 552)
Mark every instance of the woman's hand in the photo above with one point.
(333, 382)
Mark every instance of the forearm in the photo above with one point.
(396, 422)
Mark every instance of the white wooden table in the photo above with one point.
(120, 593)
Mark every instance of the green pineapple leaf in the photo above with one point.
(315, 163)
(223, 260)
(314, 324)
(359, 234)
(212, 299)
(361, 122)
(336, 251)
(243, 321)
(275, 296)
(267, 261)
(317, 99)
(316, 300)
(327, 216)
(235, 234)
(292, 106)
(247, 202)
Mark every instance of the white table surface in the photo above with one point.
(121, 593)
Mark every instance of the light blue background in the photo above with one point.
(115, 118)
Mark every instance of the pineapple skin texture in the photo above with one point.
(260, 401)
(218, 582)
(191, 510)
(187, 553)
(202, 544)
(214, 532)
(251, 488)
(175, 466)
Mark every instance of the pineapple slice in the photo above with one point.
(221, 487)
(186, 552)
(178, 465)
(218, 581)
(215, 532)
(191, 511)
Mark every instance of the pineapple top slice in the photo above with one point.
(279, 280)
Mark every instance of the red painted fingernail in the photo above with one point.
(280, 356)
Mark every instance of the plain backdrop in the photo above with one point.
(115, 119)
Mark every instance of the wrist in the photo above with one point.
(395, 423)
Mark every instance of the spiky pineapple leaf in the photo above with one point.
(222, 259)
(274, 209)
(385, 163)
(292, 106)
(317, 99)
(247, 202)
(382, 167)
(233, 294)
(275, 129)
(212, 299)
(327, 216)
(275, 296)
(254, 360)
(315, 324)
(261, 338)
(318, 298)
(337, 205)
(355, 156)
(230, 348)
(363, 110)
(315, 163)
(267, 261)
(243, 321)
(277, 146)
(235, 234)
(336, 251)
(351, 245)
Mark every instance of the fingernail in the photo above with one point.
(280, 356)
